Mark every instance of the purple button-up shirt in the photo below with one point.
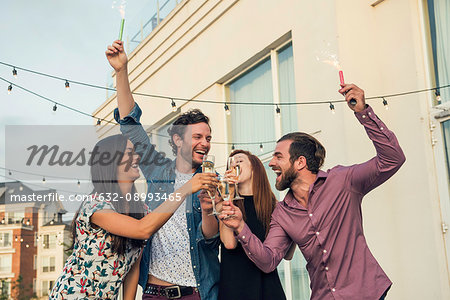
(329, 232)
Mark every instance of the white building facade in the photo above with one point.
(276, 52)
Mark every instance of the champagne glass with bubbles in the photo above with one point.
(236, 170)
(208, 167)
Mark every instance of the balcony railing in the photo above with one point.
(141, 25)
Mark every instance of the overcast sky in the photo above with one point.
(62, 38)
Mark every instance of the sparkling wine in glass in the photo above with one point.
(208, 167)
(236, 168)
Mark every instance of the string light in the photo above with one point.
(55, 107)
(174, 106)
(214, 101)
(10, 173)
(278, 111)
(261, 147)
(438, 96)
(385, 103)
(14, 72)
(43, 180)
(27, 245)
(233, 147)
(78, 183)
(67, 85)
(16, 239)
(28, 222)
(21, 240)
(99, 122)
(9, 89)
(332, 108)
(227, 109)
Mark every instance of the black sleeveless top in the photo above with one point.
(240, 278)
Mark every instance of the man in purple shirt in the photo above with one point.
(322, 211)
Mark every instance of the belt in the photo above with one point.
(170, 292)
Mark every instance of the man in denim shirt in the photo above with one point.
(181, 259)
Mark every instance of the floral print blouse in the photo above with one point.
(93, 271)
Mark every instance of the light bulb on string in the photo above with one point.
(99, 122)
(16, 239)
(232, 147)
(438, 96)
(10, 173)
(9, 89)
(21, 240)
(55, 107)
(14, 72)
(67, 85)
(385, 103)
(278, 111)
(174, 106)
(332, 108)
(261, 147)
(79, 183)
(227, 109)
(43, 180)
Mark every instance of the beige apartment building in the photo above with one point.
(256, 54)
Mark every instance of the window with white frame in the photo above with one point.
(440, 41)
(260, 123)
(5, 288)
(46, 287)
(15, 217)
(446, 134)
(49, 241)
(5, 239)
(48, 264)
(6, 263)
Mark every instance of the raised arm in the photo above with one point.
(119, 61)
(128, 113)
(389, 158)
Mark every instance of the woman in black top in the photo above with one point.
(240, 278)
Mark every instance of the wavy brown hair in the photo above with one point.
(104, 179)
(263, 197)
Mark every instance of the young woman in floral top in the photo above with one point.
(108, 231)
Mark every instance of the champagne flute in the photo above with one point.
(233, 165)
(224, 191)
(208, 167)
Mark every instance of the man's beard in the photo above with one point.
(286, 179)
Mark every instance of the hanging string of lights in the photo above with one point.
(99, 120)
(225, 103)
(174, 106)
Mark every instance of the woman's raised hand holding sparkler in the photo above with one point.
(116, 56)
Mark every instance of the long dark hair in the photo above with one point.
(104, 179)
(263, 196)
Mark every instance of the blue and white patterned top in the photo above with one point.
(170, 258)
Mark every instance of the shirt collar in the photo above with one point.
(290, 200)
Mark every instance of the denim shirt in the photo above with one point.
(159, 172)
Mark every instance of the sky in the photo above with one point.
(63, 38)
